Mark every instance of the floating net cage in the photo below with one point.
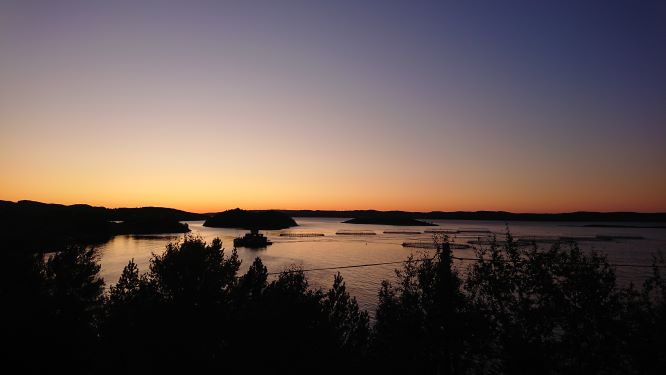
(402, 232)
(489, 242)
(433, 245)
(613, 237)
(459, 231)
(474, 230)
(530, 240)
(348, 232)
(298, 235)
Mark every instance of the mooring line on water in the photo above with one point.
(453, 257)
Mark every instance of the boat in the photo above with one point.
(254, 239)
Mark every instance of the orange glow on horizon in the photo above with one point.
(206, 108)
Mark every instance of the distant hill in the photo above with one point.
(238, 218)
(36, 226)
(388, 218)
(150, 226)
(581, 216)
(152, 213)
(388, 221)
(40, 226)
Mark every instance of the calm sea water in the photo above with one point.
(333, 250)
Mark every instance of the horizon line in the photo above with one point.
(355, 209)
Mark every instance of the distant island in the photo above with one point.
(388, 220)
(34, 226)
(238, 218)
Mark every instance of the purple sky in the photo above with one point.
(205, 105)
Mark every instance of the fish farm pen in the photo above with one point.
(346, 232)
(402, 232)
(489, 242)
(441, 231)
(474, 230)
(459, 231)
(433, 245)
(301, 234)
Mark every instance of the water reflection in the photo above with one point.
(329, 249)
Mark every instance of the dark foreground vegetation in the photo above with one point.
(516, 311)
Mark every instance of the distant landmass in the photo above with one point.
(624, 226)
(152, 213)
(238, 218)
(150, 226)
(655, 217)
(36, 226)
(389, 219)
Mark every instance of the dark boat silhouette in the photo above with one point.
(253, 239)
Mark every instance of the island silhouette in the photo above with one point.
(37, 227)
(238, 218)
(389, 219)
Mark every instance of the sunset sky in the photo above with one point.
(412, 105)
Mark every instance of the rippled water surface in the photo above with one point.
(333, 249)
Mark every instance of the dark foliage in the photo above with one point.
(517, 310)
(424, 323)
(554, 311)
(50, 310)
(520, 311)
(192, 312)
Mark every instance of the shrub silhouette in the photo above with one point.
(519, 310)
(175, 314)
(552, 311)
(50, 309)
(424, 323)
(645, 315)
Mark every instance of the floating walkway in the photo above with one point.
(346, 232)
(529, 240)
(489, 242)
(402, 232)
(459, 231)
(432, 245)
(301, 235)
(474, 230)
(441, 231)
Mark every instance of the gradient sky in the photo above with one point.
(461, 105)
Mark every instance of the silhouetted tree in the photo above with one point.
(192, 312)
(423, 320)
(50, 310)
(645, 316)
(520, 310)
(350, 324)
(549, 311)
(177, 311)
